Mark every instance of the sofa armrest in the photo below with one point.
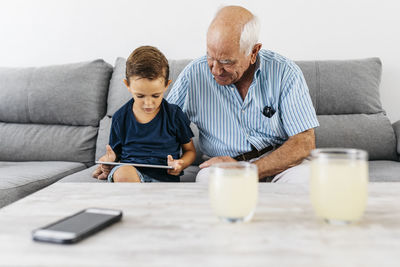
(396, 127)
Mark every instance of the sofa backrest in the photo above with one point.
(52, 113)
(345, 95)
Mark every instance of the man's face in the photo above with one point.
(227, 63)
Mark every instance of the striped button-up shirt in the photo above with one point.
(229, 125)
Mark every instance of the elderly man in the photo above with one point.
(248, 103)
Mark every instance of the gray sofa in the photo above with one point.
(54, 121)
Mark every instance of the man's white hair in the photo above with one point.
(249, 36)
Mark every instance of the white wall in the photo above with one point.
(42, 32)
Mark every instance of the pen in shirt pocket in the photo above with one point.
(268, 111)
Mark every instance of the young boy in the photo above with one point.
(147, 129)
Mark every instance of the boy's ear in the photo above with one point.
(168, 84)
(126, 83)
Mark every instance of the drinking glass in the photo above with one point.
(338, 184)
(233, 189)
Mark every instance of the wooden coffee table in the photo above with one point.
(173, 225)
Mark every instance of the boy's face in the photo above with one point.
(148, 94)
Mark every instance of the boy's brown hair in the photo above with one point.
(147, 62)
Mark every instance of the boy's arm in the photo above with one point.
(188, 156)
(114, 141)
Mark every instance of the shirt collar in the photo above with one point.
(258, 66)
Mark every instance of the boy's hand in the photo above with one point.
(109, 156)
(103, 170)
(176, 163)
(97, 172)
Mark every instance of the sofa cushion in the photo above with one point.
(34, 142)
(373, 133)
(19, 179)
(345, 94)
(118, 93)
(190, 174)
(396, 127)
(384, 171)
(52, 113)
(84, 176)
(71, 94)
(344, 86)
(175, 68)
(103, 136)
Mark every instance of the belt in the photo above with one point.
(253, 154)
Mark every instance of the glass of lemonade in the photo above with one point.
(233, 189)
(338, 184)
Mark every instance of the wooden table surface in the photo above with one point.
(173, 225)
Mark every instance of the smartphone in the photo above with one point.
(77, 226)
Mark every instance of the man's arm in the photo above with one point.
(290, 154)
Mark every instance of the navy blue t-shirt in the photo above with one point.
(152, 142)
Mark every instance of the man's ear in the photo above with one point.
(254, 52)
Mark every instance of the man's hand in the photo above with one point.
(176, 163)
(290, 154)
(103, 170)
(214, 160)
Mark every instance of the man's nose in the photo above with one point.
(217, 69)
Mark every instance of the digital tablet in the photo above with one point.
(135, 164)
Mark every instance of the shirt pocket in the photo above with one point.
(272, 127)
